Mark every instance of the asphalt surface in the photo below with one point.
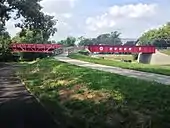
(18, 108)
(163, 79)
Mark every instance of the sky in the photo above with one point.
(89, 18)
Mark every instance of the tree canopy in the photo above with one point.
(4, 43)
(36, 26)
(69, 41)
(29, 37)
(159, 37)
(30, 13)
(112, 38)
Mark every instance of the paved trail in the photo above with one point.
(125, 72)
(18, 108)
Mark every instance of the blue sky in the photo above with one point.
(92, 17)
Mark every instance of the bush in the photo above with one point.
(135, 56)
(8, 57)
(84, 52)
(32, 56)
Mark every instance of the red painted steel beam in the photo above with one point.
(46, 48)
(121, 49)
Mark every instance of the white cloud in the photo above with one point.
(11, 27)
(114, 16)
(64, 29)
(60, 9)
(59, 6)
(99, 22)
(132, 10)
(154, 27)
(131, 20)
(66, 15)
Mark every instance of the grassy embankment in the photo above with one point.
(165, 70)
(117, 57)
(85, 98)
(166, 51)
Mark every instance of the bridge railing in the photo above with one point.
(73, 49)
(121, 49)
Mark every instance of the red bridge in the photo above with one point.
(46, 48)
(49, 48)
(121, 49)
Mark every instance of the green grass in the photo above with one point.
(117, 57)
(84, 98)
(166, 51)
(165, 70)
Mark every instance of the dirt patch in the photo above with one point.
(81, 92)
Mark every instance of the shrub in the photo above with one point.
(135, 56)
(84, 52)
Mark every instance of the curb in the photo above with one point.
(37, 99)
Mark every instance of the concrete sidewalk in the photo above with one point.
(18, 108)
(163, 79)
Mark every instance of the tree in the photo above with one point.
(85, 42)
(107, 38)
(36, 26)
(52, 42)
(130, 43)
(5, 41)
(158, 37)
(62, 42)
(3, 31)
(29, 37)
(81, 38)
(103, 38)
(115, 38)
(69, 41)
(32, 17)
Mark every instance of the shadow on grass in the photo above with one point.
(18, 108)
(93, 99)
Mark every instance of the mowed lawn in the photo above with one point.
(165, 70)
(82, 98)
(116, 57)
(166, 51)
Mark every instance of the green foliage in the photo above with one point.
(86, 42)
(84, 98)
(32, 16)
(165, 51)
(158, 37)
(36, 26)
(131, 43)
(117, 57)
(84, 52)
(135, 56)
(5, 41)
(28, 9)
(70, 41)
(30, 37)
(135, 66)
(108, 38)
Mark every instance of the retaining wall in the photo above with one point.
(157, 58)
